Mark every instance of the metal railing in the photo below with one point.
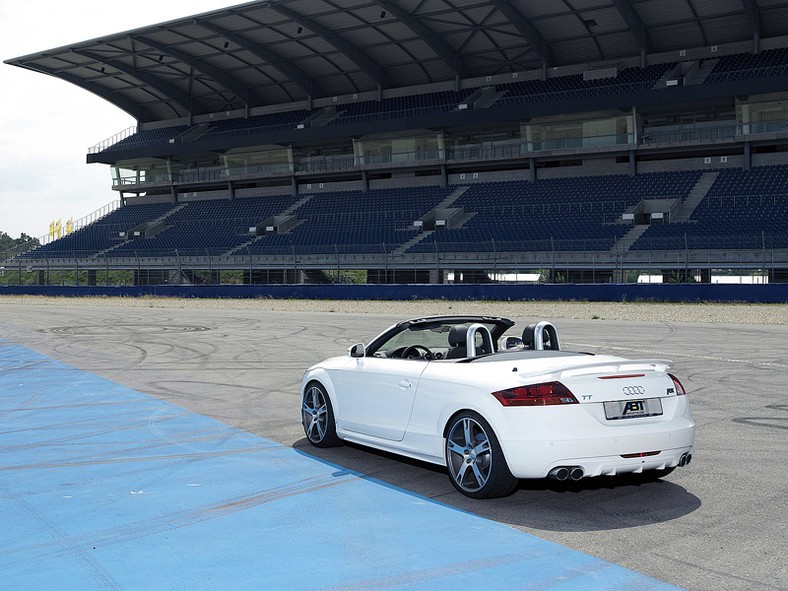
(744, 252)
(112, 140)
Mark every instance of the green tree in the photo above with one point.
(8, 245)
(6, 241)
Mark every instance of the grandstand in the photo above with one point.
(437, 141)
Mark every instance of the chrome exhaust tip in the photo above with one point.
(685, 459)
(566, 473)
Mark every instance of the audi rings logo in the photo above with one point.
(633, 390)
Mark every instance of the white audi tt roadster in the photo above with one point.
(457, 391)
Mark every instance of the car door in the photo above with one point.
(376, 395)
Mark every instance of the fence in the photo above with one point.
(565, 261)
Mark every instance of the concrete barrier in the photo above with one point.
(706, 292)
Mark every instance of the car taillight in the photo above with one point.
(547, 394)
(679, 388)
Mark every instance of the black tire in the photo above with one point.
(475, 460)
(317, 417)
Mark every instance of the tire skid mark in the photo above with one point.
(185, 443)
(79, 552)
(145, 459)
(774, 422)
(175, 352)
(669, 354)
(464, 566)
(220, 436)
(749, 583)
(136, 424)
(24, 367)
(24, 406)
(125, 328)
(190, 392)
(176, 520)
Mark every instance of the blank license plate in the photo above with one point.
(633, 409)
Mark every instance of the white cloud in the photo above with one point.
(46, 124)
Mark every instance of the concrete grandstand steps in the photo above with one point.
(679, 213)
(412, 242)
(320, 118)
(687, 73)
(297, 205)
(483, 98)
(235, 250)
(156, 223)
(444, 205)
(289, 212)
(669, 76)
(624, 243)
(193, 133)
(698, 75)
(168, 213)
(683, 212)
(449, 201)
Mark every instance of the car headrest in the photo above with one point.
(528, 336)
(457, 336)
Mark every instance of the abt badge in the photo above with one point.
(633, 407)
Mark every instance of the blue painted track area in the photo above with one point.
(102, 487)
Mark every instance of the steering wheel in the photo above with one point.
(417, 352)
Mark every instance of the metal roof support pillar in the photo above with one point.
(643, 57)
(364, 181)
(633, 165)
(544, 71)
(747, 160)
(532, 169)
(756, 43)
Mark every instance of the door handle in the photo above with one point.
(405, 384)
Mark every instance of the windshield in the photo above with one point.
(434, 336)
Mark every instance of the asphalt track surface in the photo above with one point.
(719, 524)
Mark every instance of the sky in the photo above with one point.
(46, 124)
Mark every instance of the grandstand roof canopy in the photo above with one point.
(280, 51)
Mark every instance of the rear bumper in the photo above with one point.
(600, 456)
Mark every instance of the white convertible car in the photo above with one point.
(456, 391)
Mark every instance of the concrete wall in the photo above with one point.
(771, 293)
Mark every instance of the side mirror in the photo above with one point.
(357, 350)
(509, 343)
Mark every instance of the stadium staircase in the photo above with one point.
(443, 205)
(698, 75)
(144, 228)
(286, 213)
(680, 213)
(624, 243)
(320, 118)
(194, 133)
(699, 191)
(483, 98)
